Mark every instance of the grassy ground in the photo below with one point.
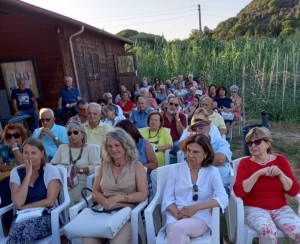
(286, 141)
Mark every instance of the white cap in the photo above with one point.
(198, 92)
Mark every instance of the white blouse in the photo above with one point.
(179, 190)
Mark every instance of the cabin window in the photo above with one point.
(126, 64)
(89, 64)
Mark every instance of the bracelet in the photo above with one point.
(14, 149)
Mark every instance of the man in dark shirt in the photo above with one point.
(24, 102)
(67, 101)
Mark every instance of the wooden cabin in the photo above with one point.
(61, 46)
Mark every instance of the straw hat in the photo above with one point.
(198, 119)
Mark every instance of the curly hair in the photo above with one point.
(127, 142)
(16, 126)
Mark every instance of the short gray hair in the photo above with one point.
(43, 110)
(106, 93)
(234, 87)
(139, 98)
(208, 98)
(79, 127)
(127, 142)
(144, 89)
(190, 75)
(169, 99)
(68, 77)
(81, 101)
(93, 105)
(111, 107)
(168, 81)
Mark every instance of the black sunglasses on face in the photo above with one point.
(75, 132)
(47, 120)
(175, 104)
(15, 135)
(195, 190)
(256, 142)
(197, 126)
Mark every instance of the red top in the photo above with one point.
(267, 192)
(174, 134)
(127, 108)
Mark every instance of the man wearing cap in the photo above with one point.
(201, 125)
(215, 118)
(151, 101)
(174, 120)
(139, 116)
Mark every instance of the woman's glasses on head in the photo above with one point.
(195, 191)
(15, 135)
(256, 142)
(75, 132)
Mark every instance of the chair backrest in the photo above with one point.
(162, 177)
(235, 165)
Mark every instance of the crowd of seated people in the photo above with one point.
(134, 134)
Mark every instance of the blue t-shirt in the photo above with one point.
(69, 96)
(162, 96)
(223, 103)
(23, 98)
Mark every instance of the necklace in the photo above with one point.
(150, 137)
(264, 163)
(70, 154)
(118, 165)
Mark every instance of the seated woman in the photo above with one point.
(191, 109)
(159, 136)
(202, 87)
(126, 105)
(10, 156)
(111, 112)
(146, 153)
(118, 98)
(180, 92)
(193, 93)
(224, 104)
(237, 101)
(212, 91)
(157, 88)
(193, 188)
(83, 156)
(36, 184)
(162, 95)
(121, 180)
(262, 180)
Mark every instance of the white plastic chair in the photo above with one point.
(57, 230)
(155, 206)
(136, 217)
(243, 233)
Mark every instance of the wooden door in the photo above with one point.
(126, 69)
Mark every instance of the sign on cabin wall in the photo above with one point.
(12, 70)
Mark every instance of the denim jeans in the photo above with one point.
(35, 117)
(61, 113)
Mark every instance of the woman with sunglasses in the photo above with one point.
(83, 156)
(193, 188)
(262, 180)
(10, 156)
(159, 136)
(237, 101)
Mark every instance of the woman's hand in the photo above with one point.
(274, 171)
(110, 202)
(182, 214)
(12, 143)
(191, 210)
(28, 167)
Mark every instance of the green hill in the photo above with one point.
(141, 37)
(261, 17)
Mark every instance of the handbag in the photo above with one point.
(97, 223)
(29, 213)
(227, 116)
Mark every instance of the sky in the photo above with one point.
(173, 18)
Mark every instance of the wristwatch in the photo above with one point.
(56, 138)
(177, 120)
(81, 171)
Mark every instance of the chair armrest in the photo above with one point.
(79, 206)
(139, 207)
(167, 157)
(215, 225)
(150, 229)
(89, 182)
(3, 211)
(135, 217)
(297, 197)
(238, 216)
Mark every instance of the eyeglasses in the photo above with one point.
(47, 120)
(15, 135)
(175, 104)
(195, 190)
(75, 132)
(233, 91)
(256, 142)
(108, 98)
(198, 126)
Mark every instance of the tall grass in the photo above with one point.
(221, 62)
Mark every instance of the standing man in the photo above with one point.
(95, 129)
(174, 120)
(24, 102)
(68, 98)
(139, 116)
(81, 117)
(51, 134)
(151, 101)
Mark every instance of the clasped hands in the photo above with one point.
(46, 131)
(270, 171)
(112, 202)
(186, 212)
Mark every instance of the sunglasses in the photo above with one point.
(47, 120)
(233, 91)
(15, 135)
(256, 142)
(198, 126)
(195, 190)
(75, 132)
(175, 104)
